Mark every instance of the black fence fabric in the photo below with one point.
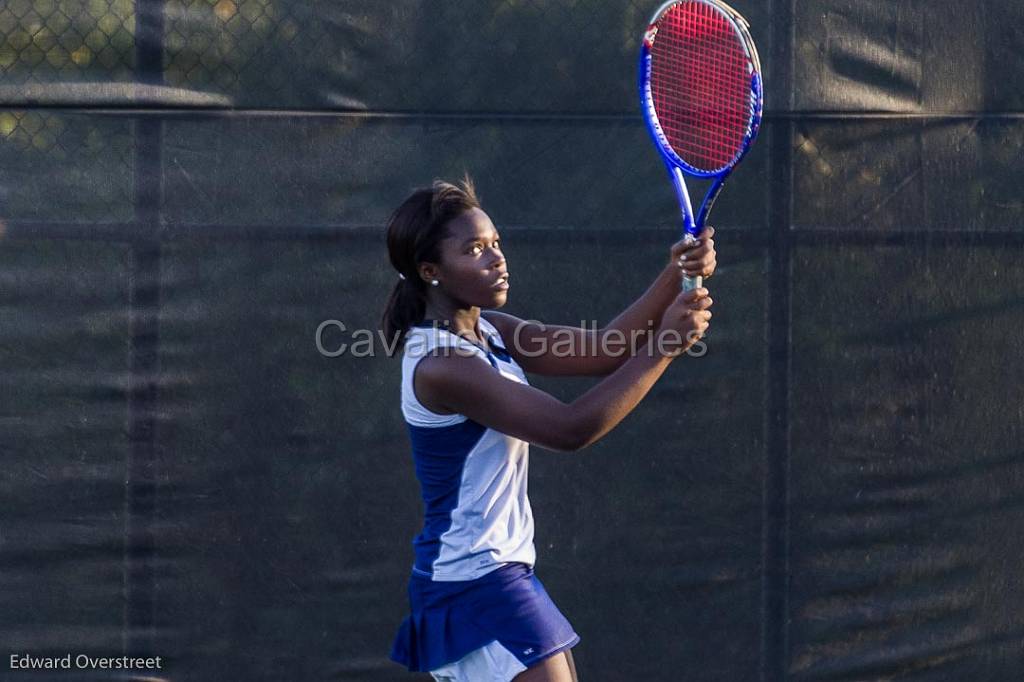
(189, 189)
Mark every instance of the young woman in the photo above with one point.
(478, 612)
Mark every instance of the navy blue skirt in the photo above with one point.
(448, 620)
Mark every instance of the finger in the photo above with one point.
(689, 297)
(681, 247)
(701, 259)
(701, 304)
(699, 316)
(705, 264)
(690, 243)
(707, 233)
(701, 267)
(703, 252)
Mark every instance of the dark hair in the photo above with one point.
(415, 231)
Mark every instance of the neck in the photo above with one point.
(462, 321)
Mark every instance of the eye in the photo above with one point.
(476, 249)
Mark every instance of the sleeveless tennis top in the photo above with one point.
(477, 516)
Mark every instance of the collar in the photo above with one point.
(493, 349)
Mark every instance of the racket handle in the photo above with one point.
(691, 283)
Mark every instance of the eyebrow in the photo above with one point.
(471, 240)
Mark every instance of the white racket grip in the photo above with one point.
(691, 283)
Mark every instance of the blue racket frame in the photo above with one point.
(693, 225)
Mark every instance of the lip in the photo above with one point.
(502, 283)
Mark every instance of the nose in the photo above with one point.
(497, 257)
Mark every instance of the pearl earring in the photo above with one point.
(434, 282)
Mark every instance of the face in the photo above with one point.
(472, 268)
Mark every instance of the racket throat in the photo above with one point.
(709, 200)
(689, 222)
(690, 227)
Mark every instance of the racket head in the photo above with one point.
(700, 85)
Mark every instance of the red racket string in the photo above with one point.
(703, 112)
(700, 82)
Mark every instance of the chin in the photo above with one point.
(499, 300)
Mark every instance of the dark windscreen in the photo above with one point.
(190, 189)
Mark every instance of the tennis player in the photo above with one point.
(478, 612)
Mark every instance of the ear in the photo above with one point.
(428, 271)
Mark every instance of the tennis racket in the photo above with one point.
(700, 93)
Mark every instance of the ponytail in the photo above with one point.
(406, 306)
(414, 234)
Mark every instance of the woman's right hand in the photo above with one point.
(685, 321)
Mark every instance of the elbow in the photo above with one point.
(563, 428)
(559, 440)
(567, 448)
(566, 444)
(571, 436)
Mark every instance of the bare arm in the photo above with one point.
(542, 349)
(469, 386)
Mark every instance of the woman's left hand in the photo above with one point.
(696, 259)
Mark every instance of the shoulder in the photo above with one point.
(505, 324)
(422, 341)
(443, 365)
(445, 382)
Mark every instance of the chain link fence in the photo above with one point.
(43, 41)
(468, 59)
(490, 59)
